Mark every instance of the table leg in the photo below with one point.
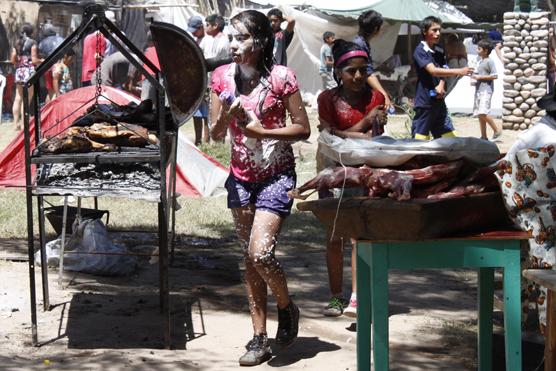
(364, 305)
(486, 292)
(512, 308)
(379, 309)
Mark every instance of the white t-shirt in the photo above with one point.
(215, 47)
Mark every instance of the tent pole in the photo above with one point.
(409, 49)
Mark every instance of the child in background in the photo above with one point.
(327, 61)
(431, 114)
(484, 87)
(61, 77)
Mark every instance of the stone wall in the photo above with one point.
(525, 51)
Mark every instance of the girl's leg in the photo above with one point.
(256, 287)
(335, 265)
(264, 234)
(482, 124)
(353, 267)
(492, 124)
(16, 108)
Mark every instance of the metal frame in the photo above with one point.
(93, 18)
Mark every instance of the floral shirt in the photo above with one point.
(254, 160)
(65, 83)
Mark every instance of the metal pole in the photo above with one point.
(63, 244)
(29, 199)
(163, 225)
(173, 197)
(44, 261)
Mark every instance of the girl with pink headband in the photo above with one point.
(351, 110)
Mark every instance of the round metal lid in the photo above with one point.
(183, 68)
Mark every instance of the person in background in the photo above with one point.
(495, 38)
(370, 23)
(24, 57)
(51, 40)
(111, 48)
(456, 57)
(262, 167)
(200, 117)
(216, 45)
(147, 90)
(91, 56)
(61, 77)
(431, 114)
(484, 88)
(551, 59)
(118, 72)
(327, 61)
(282, 37)
(351, 110)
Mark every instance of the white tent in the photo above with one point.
(340, 18)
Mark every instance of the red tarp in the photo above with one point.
(54, 119)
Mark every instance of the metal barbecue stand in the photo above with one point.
(94, 19)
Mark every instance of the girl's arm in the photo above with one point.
(13, 57)
(298, 130)
(35, 55)
(375, 84)
(56, 76)
(219, 117)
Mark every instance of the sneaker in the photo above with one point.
(258, 351)
(288, 324)
(497, 136)
(335, 307)
(351, 310)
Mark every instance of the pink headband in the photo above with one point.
(351, 54)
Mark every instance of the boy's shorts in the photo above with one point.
(270, 195)
(432, 120)
(481, 106)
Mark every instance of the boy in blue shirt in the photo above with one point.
(431, 114)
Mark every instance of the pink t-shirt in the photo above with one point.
(89, 62)
(256, 160)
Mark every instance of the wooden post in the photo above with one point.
(550, 340)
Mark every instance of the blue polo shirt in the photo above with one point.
(362, 43)
(422, 56)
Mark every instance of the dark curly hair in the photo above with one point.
(369, 23)
(258, 26)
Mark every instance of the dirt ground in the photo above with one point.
(113, 323)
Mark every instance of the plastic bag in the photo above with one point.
(385, 151)
(90, 236)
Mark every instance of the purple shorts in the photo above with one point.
(270, 195)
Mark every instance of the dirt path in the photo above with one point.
(101, 323)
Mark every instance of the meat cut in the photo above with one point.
(98, 137)
(436, 181)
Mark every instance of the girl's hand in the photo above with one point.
(253, 128)
(378, 114)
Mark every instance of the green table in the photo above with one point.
(486, 251)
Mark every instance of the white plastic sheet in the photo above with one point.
(90, 236)
(385, 151)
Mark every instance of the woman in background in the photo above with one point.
(351, 110)
(24, 57)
